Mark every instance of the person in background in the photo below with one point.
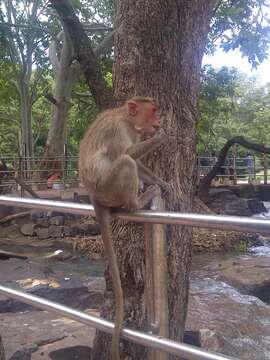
(250, 167)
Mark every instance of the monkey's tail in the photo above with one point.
(104, 218)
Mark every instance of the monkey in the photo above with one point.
(111, 170)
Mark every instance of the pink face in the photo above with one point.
(145, 118)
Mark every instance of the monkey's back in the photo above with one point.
(103, 142)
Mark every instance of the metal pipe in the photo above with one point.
(219, 222)
(156, 342)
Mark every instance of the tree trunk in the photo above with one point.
(2, 351)
(65, 75)
(26, 120)
(158, 53)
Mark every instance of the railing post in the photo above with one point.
(156, 279)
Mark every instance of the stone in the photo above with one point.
(37, 214)
(224, 201)
(71, 352)
(42, 233)
(228, 322)
(28, 229)
(256, 206)
(22, 354)
(57, 220)
(208, 340)
(42, 222)
(70, 230)
(45, 336)
(88, 229)
(251, 276)
(55, 231)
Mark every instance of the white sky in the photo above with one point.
(234, 59)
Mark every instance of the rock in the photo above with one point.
(55, 231)
(71, 352)
(57, 220)
(251, 276)
(224, 201)
(37, 214)
(71, 293)
(28, 229)
(23, 354)
(42, 233)
(228, 322)
(256, 206)
(41, 334)
(70, 230)
(244, 191)
(88, 229)
(42, 222)
(208, 340)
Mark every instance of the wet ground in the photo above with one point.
(222, 317)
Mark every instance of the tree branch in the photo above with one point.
(204, 185)
(85, 55)
(51, 99)
(105, 44)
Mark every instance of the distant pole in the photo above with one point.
(234, 151)
(254, 162)
(265, 168)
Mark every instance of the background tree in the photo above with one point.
(231, 104)
(24, 39)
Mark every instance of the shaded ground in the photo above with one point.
(77, 283)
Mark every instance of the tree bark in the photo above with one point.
(65, 73)
(204, 185)
(2, 351)
(158, 53)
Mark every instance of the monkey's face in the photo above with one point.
(144, 118)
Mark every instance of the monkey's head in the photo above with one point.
(142, 115)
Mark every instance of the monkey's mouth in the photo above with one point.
(153, 129)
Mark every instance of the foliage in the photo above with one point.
(231, 104)
(243, 25)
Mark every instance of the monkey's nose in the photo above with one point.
(156, 127)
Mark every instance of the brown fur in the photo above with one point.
(110, 170)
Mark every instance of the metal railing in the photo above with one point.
(156, 342)
(224, 222)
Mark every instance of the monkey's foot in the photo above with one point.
(132, 206)
(151, 192)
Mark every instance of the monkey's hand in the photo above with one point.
(160, 135)
(166, 188)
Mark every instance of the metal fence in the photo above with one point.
(235, 170)
(155, 217)
(29, 170)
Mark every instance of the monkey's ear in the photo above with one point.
(132, 108)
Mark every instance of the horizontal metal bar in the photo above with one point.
(219, 222)
(156, 342)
